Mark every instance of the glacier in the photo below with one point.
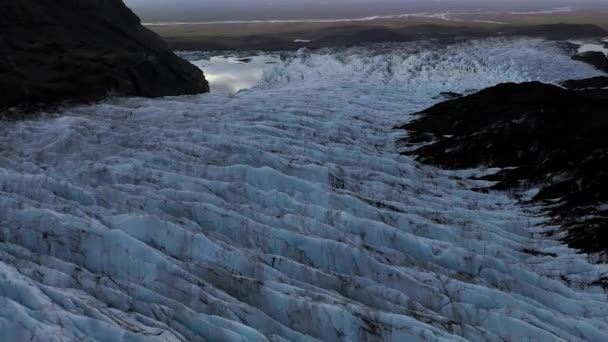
(285, 212)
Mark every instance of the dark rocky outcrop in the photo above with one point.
(450, 95)
(599, 82)
(56, 50)
(596, 87)
(545, 136)
(595, 58)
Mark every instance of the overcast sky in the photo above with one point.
(219, 10)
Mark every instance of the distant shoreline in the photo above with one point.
(445, 15)
(292, 35)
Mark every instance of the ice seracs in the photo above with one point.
(283, 213)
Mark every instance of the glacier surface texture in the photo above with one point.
(284, 212)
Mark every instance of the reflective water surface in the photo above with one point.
(230, 73)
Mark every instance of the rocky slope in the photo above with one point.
(595, 58)
(543, 136)
(52, 51)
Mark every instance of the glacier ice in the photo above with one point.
(284, 213)
(229, 74)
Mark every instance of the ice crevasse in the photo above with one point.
(284, 213)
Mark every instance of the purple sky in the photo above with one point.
(220, 10)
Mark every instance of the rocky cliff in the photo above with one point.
(56, 50)
(544, 136)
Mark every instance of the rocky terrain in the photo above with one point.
(288, 36)
(595, 58)
(549, 140)
(52, 51)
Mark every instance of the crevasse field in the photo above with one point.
(284, 212)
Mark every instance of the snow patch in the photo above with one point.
(590, 46)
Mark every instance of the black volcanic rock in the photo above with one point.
(56, 50)
(596, 87)
(451, 95)
(595, 58)
(545, 136)
(599, 82)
